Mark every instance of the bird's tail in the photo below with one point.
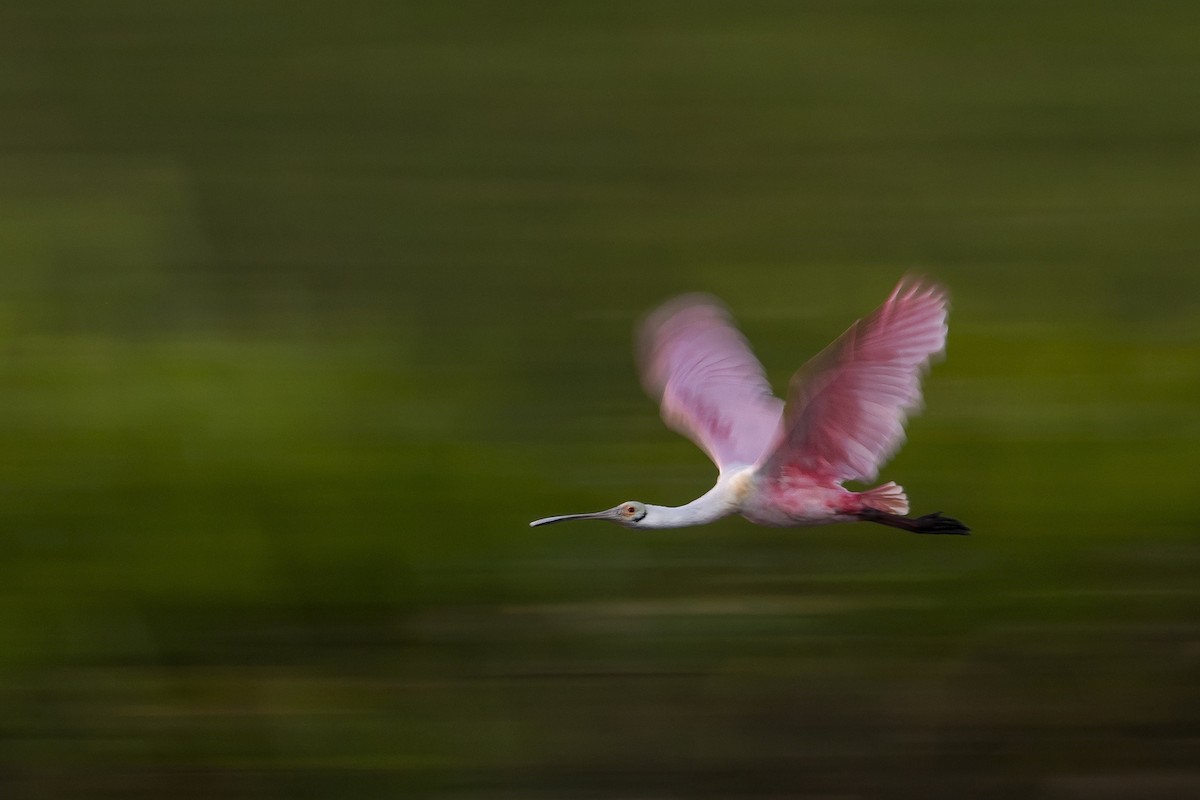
(888, 498)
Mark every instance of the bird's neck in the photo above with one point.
(720, 501)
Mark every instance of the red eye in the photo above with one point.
(630, 509)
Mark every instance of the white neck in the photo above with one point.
(719, 501)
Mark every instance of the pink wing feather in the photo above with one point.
(847, 405)
(710, 386)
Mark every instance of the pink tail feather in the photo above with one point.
(888, 498)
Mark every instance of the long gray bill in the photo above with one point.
(550, 520)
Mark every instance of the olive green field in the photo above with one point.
(307, 309)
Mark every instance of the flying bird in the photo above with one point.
(784, 465)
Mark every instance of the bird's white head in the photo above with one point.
(631, 514)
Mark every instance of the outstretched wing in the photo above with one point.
(847, 406)
(710, 386)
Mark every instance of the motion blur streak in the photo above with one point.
(280, 388)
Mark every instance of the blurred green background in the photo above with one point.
(308, 308)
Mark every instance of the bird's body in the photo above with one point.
(796, 501)
(780, 466)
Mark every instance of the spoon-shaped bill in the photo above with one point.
(609, 515)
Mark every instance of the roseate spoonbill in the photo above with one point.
(785, 466)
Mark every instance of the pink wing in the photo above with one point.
(711, 387)
(847, 406)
